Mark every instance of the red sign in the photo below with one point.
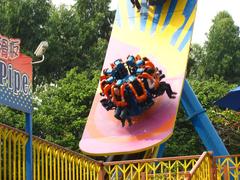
(15, 76)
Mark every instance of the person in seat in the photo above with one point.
(162, 86)
(118, 98)
(120, 70)
(140, 93)
(105, 86)
(132, 67)
(137, 4)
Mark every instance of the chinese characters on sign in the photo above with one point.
(9, 48)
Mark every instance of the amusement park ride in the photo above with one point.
(159, 35)
(134, 110)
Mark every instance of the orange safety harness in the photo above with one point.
(103, 77)
(138, 57)
(139, 98)
(122, 102)
(149, 64)
(107, 91)
(105, 88)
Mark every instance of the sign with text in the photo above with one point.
(15, 76)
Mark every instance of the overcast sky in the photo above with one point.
(207, 9)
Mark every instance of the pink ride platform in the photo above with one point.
(162, 36)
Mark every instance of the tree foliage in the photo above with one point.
(61, 109)
(78, 37)
(222, 49)
(195, 58)
(25, 19)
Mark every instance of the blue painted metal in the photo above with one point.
(201, 122)
(161, 150)
(29, 162)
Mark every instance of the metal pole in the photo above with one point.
(201, 122)
(29, 162)
(161, 150)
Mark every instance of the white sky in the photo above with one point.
(207, 9)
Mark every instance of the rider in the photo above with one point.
(120, 69)
(132, 67)
(137, 4)
(162, 85)
(118, 98)
(106, 86)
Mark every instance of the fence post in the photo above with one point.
(211, 165)
(226, 172)
(187, 176)
(101, 172)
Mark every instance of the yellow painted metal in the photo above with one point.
(203, 168)
(227, 167)
(156, 168)
(19, 160)
(50, 165)
(12, 146)
(24, 143)
(50, 161)
(14, 155)
(34, 162)
(56, 163)
(4, 155)
(9, 155)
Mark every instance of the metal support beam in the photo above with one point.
(161, 150)
(201, 122)
(29, 161)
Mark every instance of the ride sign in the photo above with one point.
(15, 76)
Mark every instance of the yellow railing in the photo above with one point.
(53, 162)
(50, 161)
(12, 153)
(157, 168)
(227, 167)
(202, 169)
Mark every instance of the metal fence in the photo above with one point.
(12, 153)
(202, 169)
(50, 161)
(53, 162)
(227, 167)
(158, 168)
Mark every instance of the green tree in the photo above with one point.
(195, 58)
(61, 109)
(25, 19)
(222, 49)
(77, 37)
(184, 140)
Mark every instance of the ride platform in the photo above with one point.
(163, 34)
